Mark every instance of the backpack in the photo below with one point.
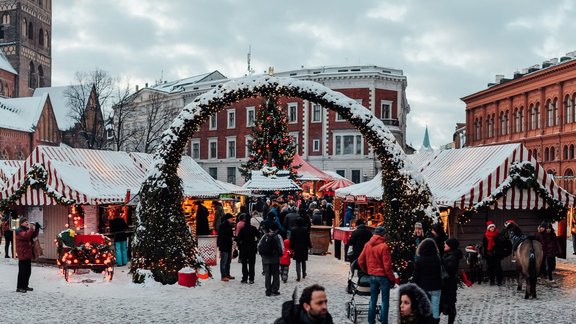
(269, 246)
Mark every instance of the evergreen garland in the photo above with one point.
(523, 176)
(163, 243)
(271, 143)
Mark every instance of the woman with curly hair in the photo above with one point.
(415, 306)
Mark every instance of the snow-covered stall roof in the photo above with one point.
(308, 172)
(196, 182)
(278, 182)
(7, 169)
(21, 114)
(464, 177)
(87, 176)
(372, 189)
(333, 175)
(60, 105)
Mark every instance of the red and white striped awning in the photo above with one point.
(87, 176)
(308, 172)
(336, 184)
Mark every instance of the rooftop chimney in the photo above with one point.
(554, 60)
(499, 78)
(146, 84)
(136, 88)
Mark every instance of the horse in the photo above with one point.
(528, 255)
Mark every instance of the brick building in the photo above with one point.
(25, 39)
(324, 139)
(24, 124)
(537, 108)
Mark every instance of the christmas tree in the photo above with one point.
(271, 143)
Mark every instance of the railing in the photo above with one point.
(390, 122)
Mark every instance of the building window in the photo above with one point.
(31, 76)
(213, 145)
(537, 112)
(24, 28)
(316, 113)
(231, 148)
(248, 140)
(341, 173)
(250, 116)
(213, 172)
(550, 114)
(552, 154)
(386, 109)
(546, 154)
(571, 152)
(348, 145)
(565, 152)
(355, 176)
(316, 145)
(231, 175)
(490, 126)
(196, 150)
(294, 138)
(41, 37)
(556, 114)
(292, 112)
(568, 110)
(231, 118)
(6, 19)
(569, 180)
(502, 123)
(41, 80)
(535, 153)
(30, 31)
(213, 123)
(521, 126)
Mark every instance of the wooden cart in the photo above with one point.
(82, 251)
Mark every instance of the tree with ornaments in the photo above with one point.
(271, 143)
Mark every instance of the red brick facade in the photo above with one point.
(536, 109)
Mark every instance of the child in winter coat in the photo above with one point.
(285, 261)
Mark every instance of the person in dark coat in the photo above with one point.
(415, 306)
(439, 235)
(202, 224)
(550, 249)
(8, 235)
(224, 242)
(271, 263)
(490, 243)
(247, 241)
(24, 235)
(358, 239)
(290, 219)
(428, 274)
(312, 308)
(118, 228)
(300, 240)
(348, 215)
(451, 262)
(330, 215)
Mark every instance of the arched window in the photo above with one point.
(30, 31)
(549, 114)
(516, 121)
(32, 76)
(568, 110)
(531, 119)
(41, 81)
(569, 180)
(41, 37)
(537, 113)
(24, 28)
(535, 154)
(46, 39)
(6, 19)
(571, 152)
(502, 124)
(552, 153)
(521, 129)
(565, 152)
(507, 122)
(546, 154)
(556, 114)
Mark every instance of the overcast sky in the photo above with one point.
(447, 49)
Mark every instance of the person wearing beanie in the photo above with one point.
(439, 235)
(376, 261)
(428, 273)
(24, 235)
(224, 243)
(490, 244)
(247, 240)
(550, 248)
(357, 241)
(451, 262)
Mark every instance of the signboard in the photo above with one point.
(362, 199)
(349, 198)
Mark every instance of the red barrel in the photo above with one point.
(187, 279)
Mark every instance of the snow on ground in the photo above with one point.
(54, 300)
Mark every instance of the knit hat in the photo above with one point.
(380, 231)
(490, 224)
(543, 224)
(23, 219)
(508, 222)
(417, 225)
(228, 216)
(453, 243)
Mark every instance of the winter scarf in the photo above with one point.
(490, 237)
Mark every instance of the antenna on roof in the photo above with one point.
(250, 70)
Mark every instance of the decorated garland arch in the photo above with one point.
(163, 243)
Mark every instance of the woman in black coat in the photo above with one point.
(451, 261)
(428, 274)
(247, 240)
(300, 243)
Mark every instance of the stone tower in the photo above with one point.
(26, 40)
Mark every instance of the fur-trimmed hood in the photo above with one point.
(421, 306)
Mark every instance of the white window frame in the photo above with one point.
(314, 106)
(316, 145)
(228, 151)
(247, 140)
(210, 141)
(249, 110)
(213, 122)
(231, 123)
(195, 142)
(382, 111)
(356, 145)
(292, 106)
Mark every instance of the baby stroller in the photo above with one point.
(360, 287)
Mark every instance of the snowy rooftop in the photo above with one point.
(278, 182)
(308, 172)
(21, 114)
(59, 101)
(182, 84)
(5, 64)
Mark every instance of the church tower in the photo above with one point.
(26, 40)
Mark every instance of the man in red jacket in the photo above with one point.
(24, 235)
(376, 261)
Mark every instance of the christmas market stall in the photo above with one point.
(494, 183)
(270, 180)
(63, 188)
(309, 177)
